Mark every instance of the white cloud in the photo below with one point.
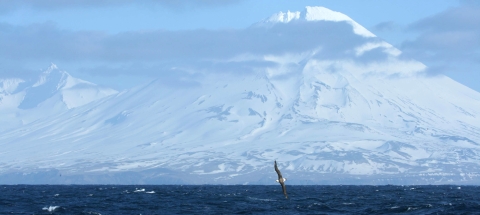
(389, 49)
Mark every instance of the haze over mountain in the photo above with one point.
(314, 90)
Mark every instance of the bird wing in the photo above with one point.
(278, 171)
(284, 190)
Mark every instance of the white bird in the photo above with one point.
(281, 180)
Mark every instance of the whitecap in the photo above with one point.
(411, 208)
(139, 190)
(150, 191)
(319, 204)
(50, 208)
(56, 194)
(265, 200)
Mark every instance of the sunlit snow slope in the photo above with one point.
(360, 114)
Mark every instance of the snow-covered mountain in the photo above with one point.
(54, 91)
(365, 116)
(316, 14)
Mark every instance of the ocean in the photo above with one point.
(238, 199)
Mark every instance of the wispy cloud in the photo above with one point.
(385, 26)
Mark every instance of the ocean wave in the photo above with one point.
(50, 208)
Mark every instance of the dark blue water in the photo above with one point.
(210, 199)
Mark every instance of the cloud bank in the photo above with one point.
(448, 40)
(207, 49)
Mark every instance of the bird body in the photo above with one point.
(281, 180)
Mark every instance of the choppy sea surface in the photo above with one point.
(238, 199)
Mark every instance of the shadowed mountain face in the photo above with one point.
(349, 110)
(45, 88)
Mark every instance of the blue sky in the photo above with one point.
(444, 34)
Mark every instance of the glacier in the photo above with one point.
(363, 114)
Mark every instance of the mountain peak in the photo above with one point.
(52, 74)
(59, 84)
(52, 66)
(317, 13)
(324, 14)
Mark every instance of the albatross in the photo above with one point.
(281, 180)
